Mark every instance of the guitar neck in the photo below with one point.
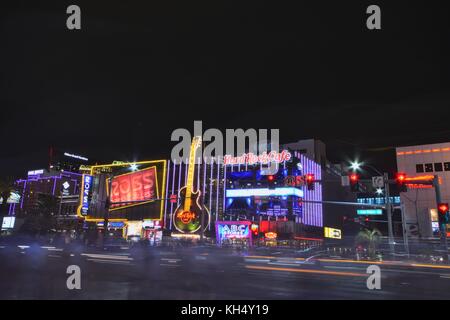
(190, 179)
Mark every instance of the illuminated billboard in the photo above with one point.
(332, 233)
(133, 190)
(226, 230)
(137, 187)
(86, 193)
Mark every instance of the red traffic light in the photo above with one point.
(354, 182)
(310, 178)
(401, 177)
(443, 208)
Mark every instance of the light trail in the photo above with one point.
(322, 272)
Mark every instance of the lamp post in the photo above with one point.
(355, 166)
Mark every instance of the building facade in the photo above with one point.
(57, 190)
(420, 200)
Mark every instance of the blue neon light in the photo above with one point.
(278, 192)
(87, 185)
(241, 175)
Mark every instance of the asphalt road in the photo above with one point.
(39, 272)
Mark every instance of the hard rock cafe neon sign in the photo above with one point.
(264, 158)
(186, 217)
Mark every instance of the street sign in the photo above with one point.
(345, 181)
(333, 233)
(378, 182)
(369, 212)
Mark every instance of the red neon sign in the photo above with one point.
(135, 186)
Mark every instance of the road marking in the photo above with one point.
(333, 273)
(282, 264)
(110, 261)
(106, 256)
(340, 267)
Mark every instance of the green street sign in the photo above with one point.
(369, 212)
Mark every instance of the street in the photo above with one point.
(198, 272)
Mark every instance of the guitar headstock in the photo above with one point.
(196, 142)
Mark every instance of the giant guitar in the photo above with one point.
(187, 216)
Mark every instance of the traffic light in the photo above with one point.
(443, 213)
(255, 229)
(271, 181)
(354, 182)
(400, 179)
(310, 178)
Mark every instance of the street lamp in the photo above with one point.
(379, 191)
(133, 167)
(355, 165)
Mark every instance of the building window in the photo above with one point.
(428, 167)
(420, 168)
(438, 167)
(447, 166)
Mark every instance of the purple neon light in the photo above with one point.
(224, 187)
(313, 212)
(167, 194)
(197, 184)
(210, 185)
(218, 183)
(173, 191)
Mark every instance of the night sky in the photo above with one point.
(137, 70)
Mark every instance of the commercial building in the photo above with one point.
(420, 200)
(130, 195)
(235, 189)
(56, 190)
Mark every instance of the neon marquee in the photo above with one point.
(233, 230)
(87, 187)
(264, 158)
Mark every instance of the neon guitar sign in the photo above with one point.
(187, 216)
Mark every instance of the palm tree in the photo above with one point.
(369, 239)
(6, 187)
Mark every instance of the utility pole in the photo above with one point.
(389, 213)
(442, 226)
(106, 215)
(405, 231)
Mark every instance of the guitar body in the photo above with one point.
(187, 217)
(189, 221)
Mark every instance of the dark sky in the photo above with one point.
(137, 70)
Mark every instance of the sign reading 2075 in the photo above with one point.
(87, 187)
